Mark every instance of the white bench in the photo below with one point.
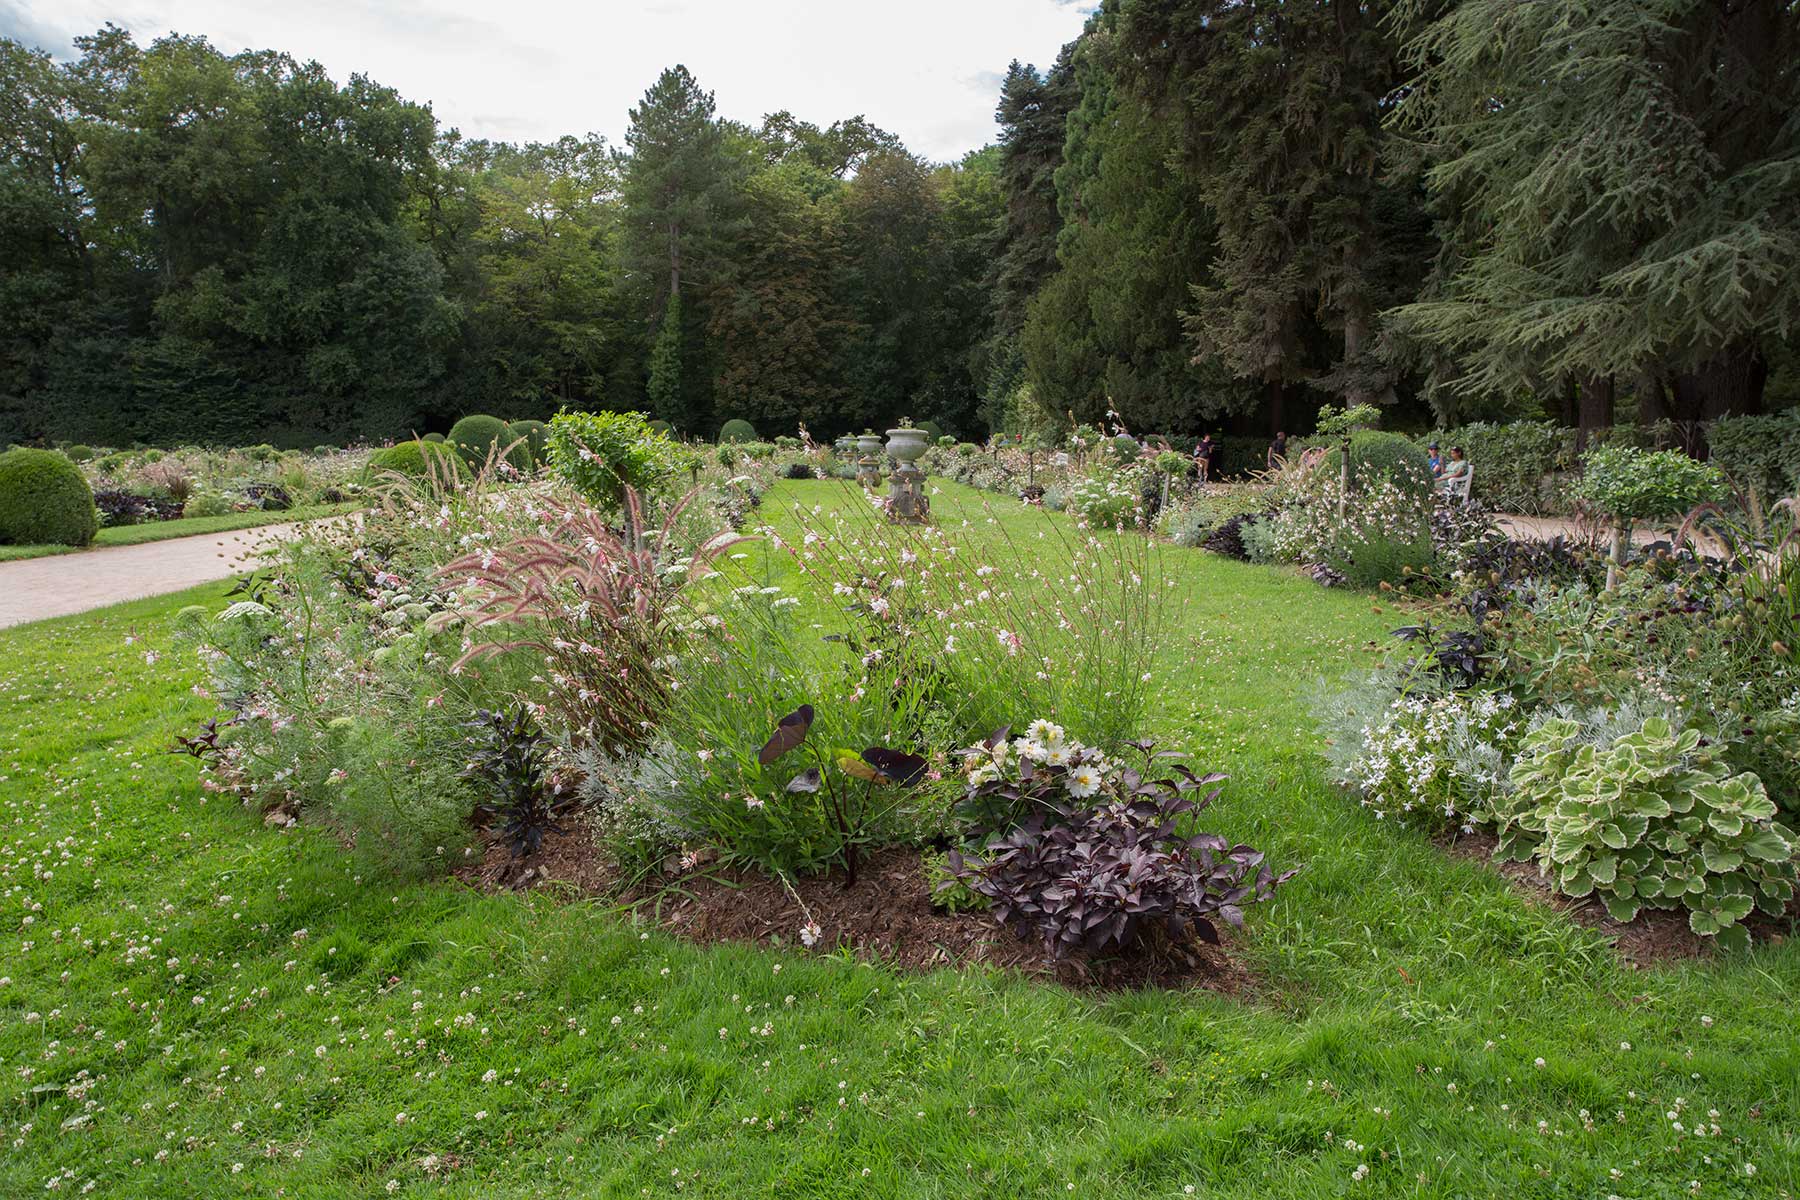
(1457, 487)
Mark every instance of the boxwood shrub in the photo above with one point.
(476, 436)
(737, 430)
(44, 499)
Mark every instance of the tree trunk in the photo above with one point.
(1595, 408)
(1275, 400)
(674, 259)
(1568, 413)
(1729, 384)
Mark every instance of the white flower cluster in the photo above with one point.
(1085, 769)
(1441, 755)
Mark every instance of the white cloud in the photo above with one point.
(926, 69)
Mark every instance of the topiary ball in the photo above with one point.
(415, 459)
(933, 432)
(662, 427)
(531, 450)
(79, 453)
(44, 499)
(476, 436)
(1376, 455)
(737, 430)
(437, 438)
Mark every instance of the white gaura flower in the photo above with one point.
(1082, 782)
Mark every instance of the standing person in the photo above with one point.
(1203, 456)
(1277, 451)
(1214, 469)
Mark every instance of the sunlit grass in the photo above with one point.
(182, 982)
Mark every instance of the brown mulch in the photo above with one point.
(887, 917)
(1656, 935)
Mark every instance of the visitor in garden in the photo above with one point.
(1203, 456)
(1277, 451)
(1435, 459)
(1456, 474)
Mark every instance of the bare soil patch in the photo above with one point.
(887, 917)
(1655, 936)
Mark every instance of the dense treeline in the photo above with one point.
(1205, 214)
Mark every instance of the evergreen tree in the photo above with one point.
(1277, 110)
(666, 391)
(1619, 187)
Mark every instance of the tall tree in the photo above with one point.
(1105, 331)
(1032, 113)
(1619, 186)
(679, 191)
(1278, 108)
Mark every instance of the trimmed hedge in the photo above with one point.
(1759, 454)
(737, 430)
(1375, 454)
(535, 434)
(1517, 463)
(410, 458)
(44, 499)
(79, 453)
(476, 436)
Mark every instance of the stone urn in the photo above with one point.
(906, 445)
(907, 502)
(868, 466)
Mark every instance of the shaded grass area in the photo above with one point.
(160, 531)
(182, 982)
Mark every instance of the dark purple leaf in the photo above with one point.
(896, 766)
(790, 731)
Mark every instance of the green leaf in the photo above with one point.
(1766, 845)
(1733, 939)
(1703, 923)
(1719, 860)
(1620, 908)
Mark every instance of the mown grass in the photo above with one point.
(159, 531)
(182, 982)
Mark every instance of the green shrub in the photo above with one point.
(416, 459)
(933, 433)
(663, 427)
(44, 499)
(1106, 499)
(945, 442)
(109, 463)
(1377, 560)
(737, 430)
(476, 436)
(535, 435)
(79, 453)
(1639, 485)
(1651, 820)
(207, 504)
(322, 451)
(1759, 454)
(1375, 455)
(436, 438)
(967, 449)
(153, 455)
(262, 453)
(601, 454)
(1513, 461)
(785, 442)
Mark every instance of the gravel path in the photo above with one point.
(36, 588)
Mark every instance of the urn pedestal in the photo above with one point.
(907, 502)
(868, 467)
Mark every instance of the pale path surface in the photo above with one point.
(36, 588)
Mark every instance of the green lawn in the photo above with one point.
(194, 1004)
(157, 531)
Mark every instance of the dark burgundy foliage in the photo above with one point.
(1097, 880)
(122, 506)
(1461, 657)
(895, 766)
(1227, 537)
(790, 731)
(509, 760)
(270, 497)
(203, 745)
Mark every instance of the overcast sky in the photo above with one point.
(928, 70)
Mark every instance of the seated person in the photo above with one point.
(1435, 460)
(1454, 470)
